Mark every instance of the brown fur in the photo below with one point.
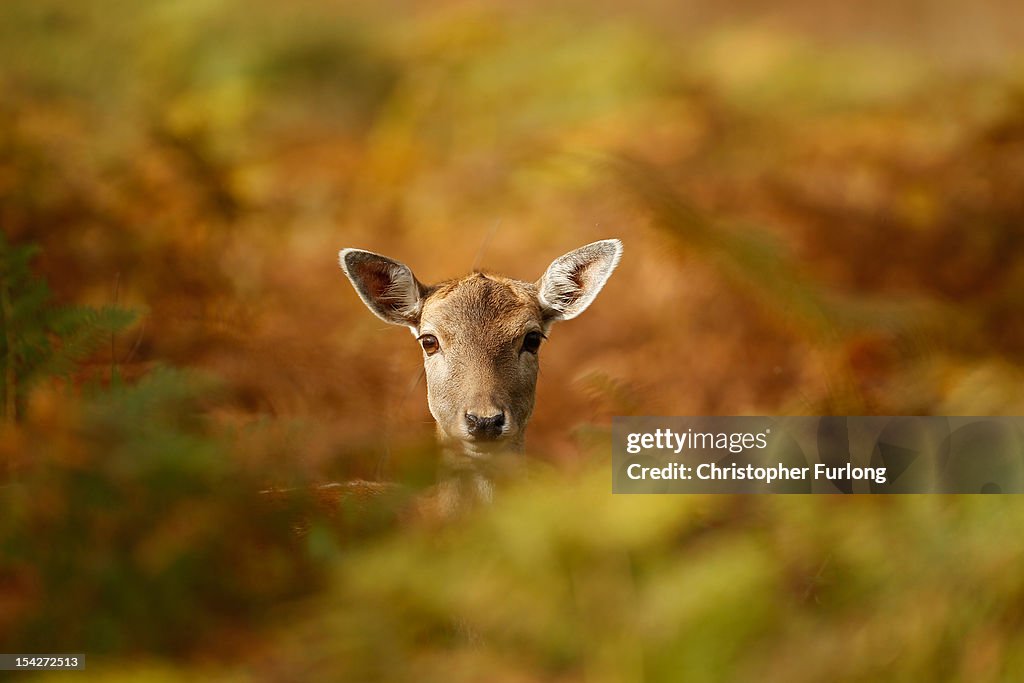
(480, 321)
(480, 367)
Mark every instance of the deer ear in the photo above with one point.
(572, 281)
(387, 287)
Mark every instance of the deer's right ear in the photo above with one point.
(387, 287)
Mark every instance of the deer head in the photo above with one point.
(481, 335)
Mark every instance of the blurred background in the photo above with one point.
(822, 212)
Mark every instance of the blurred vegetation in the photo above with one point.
(821, 210)
(39, 341)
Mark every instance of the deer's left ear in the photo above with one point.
(572, 281)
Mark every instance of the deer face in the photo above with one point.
(481, 335)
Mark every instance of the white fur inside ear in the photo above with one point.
(403, 294)
(573, 281)
(387, 287)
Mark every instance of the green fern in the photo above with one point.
(37, 339)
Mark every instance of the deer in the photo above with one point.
(480, 337)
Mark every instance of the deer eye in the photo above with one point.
(531, 342)
(429, 343)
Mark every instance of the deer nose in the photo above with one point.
(485, 428)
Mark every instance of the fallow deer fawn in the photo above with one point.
(480, 336)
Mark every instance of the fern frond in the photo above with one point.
(38, 340)
(80, 331)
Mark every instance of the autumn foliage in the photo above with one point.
(821, 213)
